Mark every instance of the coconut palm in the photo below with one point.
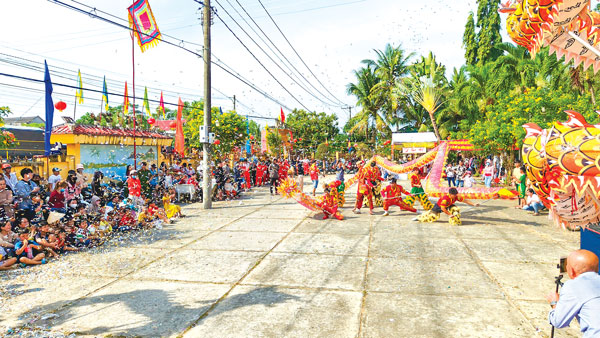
(369, 103)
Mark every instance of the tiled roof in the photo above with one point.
(105, 131)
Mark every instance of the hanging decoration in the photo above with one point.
(143, 23)
(60, 105)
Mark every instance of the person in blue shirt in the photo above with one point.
(27, 251)
(23, 190)
(580, 297)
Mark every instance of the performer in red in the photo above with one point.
(330, 206)
(416, 191)
(367, 180)
(314, 172)
(246, 171)
(259, 174)
(392, 195)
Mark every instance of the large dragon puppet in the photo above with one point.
(568, 27)
(563, 165)
(432, 186)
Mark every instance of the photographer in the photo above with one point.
(580, 297)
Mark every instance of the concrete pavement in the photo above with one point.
(267, 267)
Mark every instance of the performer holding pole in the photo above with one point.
(367, 178)
(392, 195)
(417, 192)
(446, 205)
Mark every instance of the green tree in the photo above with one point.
(229, 128)
(312, 127)
(275, 143)
(323, 151)
(470, 41)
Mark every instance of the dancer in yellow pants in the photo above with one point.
(417, 191)
(446, 205)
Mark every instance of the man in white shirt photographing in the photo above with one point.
(580, 297)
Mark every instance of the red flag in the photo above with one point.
(179, 139)
(282, 116)
(162, 105)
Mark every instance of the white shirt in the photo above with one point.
(469, 181)
(11, 180)
(533, 199)
(53, 179)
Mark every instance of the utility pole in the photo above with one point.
(206, 172)
(349, 113)
(234, 104)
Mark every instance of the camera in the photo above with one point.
(562, 265)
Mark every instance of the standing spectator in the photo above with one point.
(97, 189)
(9, 177)
(274, 176)
(488, 173)
(6, 200)
(135, 188)
(460, 170)
(82, 180)
(516, 175)
(300, 172)
(144, 176)
(314, 176)
(72, 191)
(23, 190)
(54, 178)
(450, 175)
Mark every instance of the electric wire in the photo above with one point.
(283, 55)
(257, 60)
(297, 54)
(93, 15)
(288, 73)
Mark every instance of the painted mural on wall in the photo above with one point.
(112, 160)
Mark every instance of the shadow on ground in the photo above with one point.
(163, 316)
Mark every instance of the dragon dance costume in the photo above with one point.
(447, 201)
(367, 181)
(417, 192)
(392, 195)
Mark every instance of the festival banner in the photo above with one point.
(146, 102)
(161, 105)
(49, 110)
(143, 23)
(126, 101)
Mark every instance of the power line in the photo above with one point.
(93, 15)
(257, 60)
(288, 74)
(294, 49)
(282, 54)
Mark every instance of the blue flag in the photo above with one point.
(248, 147)
(49, 111)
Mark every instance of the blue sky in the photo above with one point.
(332, 36)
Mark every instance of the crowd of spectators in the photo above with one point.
(40, 219)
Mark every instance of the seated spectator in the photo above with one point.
(6, 262)
(57, 198)
(533, 203)
(28, 252)
(23, 190)
(7, 207)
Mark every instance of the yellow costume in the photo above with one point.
(170, 209)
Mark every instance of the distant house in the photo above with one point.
(20, 121)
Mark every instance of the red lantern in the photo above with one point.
(60, 105)
(173, 125)
(355, 145)
(387, 142)
(151, 120)
(217, 142)
(300, 139)
(252, 137)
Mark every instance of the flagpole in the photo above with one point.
(75, 107)
(134, 119)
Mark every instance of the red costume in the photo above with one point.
(259, 174)
(392, 195)
(134, 186)
(330, 207)
(366, 183)
(246, 172)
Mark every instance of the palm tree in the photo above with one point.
(369, 103)
(391, 65)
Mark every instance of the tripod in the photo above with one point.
(559, 283)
